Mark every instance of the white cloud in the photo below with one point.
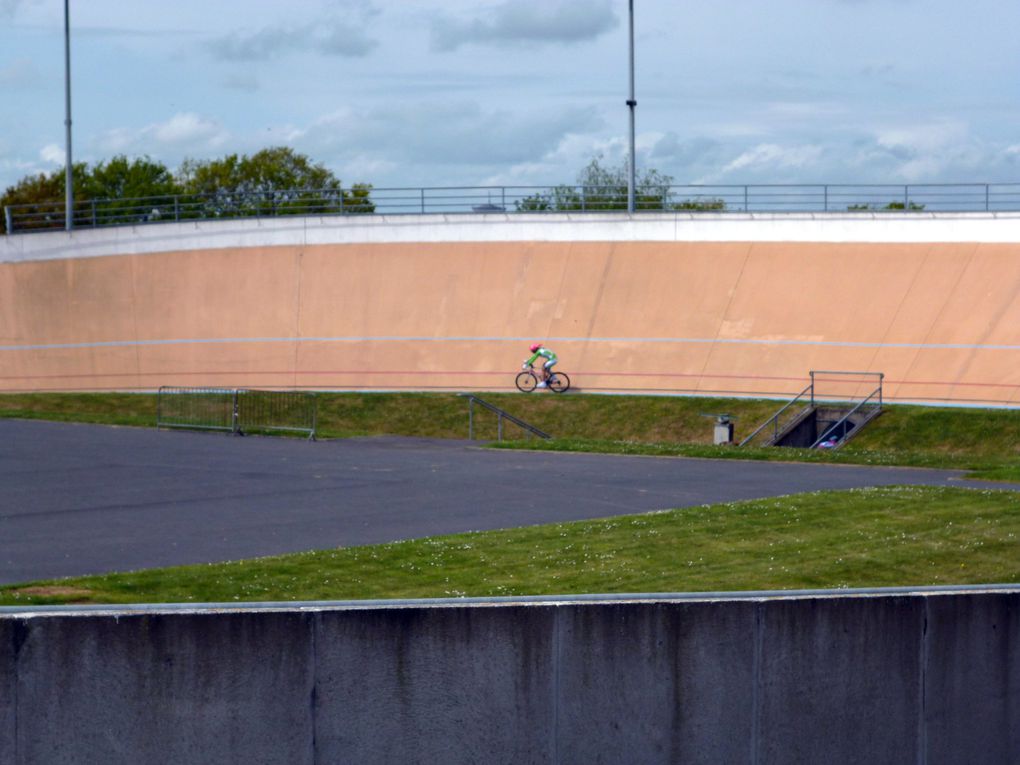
(564, 162)
(257, 46)
(515, 23)
(52, 154)
(182, 131)
(448, 133)
(186, 128)
(770, 155)
(920, 168)
(329, 37)
(925, 152)
(925, 138)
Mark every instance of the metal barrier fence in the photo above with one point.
(722, 198)
(236, 410)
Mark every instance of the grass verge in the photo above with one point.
(985, 441)
(976, 468)
(860, 538)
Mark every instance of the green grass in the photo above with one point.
(983, 440)
(438, 415)
(860, 538)
(1001, 469)
(103, 408)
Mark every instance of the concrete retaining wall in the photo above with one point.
(888, 677)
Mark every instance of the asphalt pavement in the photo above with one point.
(85, 499)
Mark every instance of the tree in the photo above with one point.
(607, 188)
(274, 181)
(121, 178)
(701, 204)
(912, 206)
(117, 191)
(128, 191)
(40, 198)
(601, 187)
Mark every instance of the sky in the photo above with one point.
(410, 93)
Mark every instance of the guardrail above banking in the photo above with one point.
(364, 200)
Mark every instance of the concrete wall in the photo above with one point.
(886, 677)
(731, 305)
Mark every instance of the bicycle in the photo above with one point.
(527, 381)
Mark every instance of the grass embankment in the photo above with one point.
(437, 415)
(983, 440)
(860, 538)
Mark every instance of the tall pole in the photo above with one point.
(632, 104)
(68, 179)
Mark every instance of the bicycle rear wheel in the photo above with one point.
(559, 382)
(526, 381)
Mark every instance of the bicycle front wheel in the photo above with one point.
(526, 382)
(559, 382)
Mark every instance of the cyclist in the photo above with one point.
(550, 358)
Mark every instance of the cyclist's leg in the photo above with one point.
(547, 369)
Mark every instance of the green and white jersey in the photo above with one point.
(544, 352)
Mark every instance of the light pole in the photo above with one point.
(68, 179)
(632, 104)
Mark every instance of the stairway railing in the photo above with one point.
(501, 415)
(774, 419)
(834, 429)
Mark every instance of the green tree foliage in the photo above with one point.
(44, 196)
(701, 204)
(274, 181)
(601, 187)
(606, 188)
(911, 207)
(128, 191)
(117, 191)
(279, 169)
(121, 178)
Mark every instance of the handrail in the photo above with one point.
(775, 418)
(832, 428)
(871, 199)
(500, 415)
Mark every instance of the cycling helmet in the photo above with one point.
(535, 347)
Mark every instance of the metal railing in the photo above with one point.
(771, 428)
(720, 198)
(838, 431)
(500, 416)
(777, 424)
(831, 385)
(236, 410)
